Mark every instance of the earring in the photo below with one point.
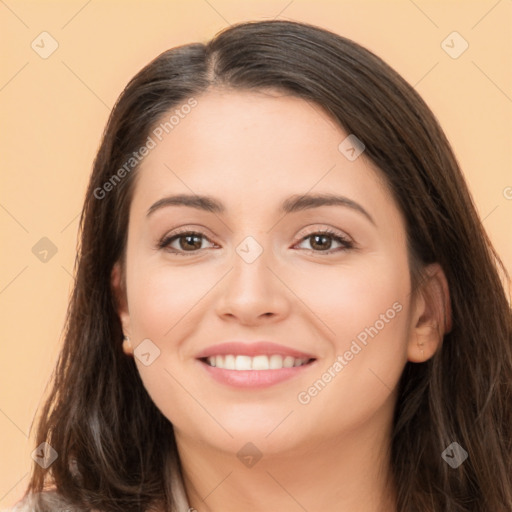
(127, 346)
(420, 345)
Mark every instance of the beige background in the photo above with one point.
(54, 111)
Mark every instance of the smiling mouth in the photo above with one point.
(259, 362)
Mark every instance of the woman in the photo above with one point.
(222, 354)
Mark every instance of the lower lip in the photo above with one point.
(254, 379)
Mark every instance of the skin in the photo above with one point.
(251, 150)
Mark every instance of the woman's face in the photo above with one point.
(260, 269)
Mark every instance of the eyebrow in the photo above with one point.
(293, 204)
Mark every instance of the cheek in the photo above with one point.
(353, 297)
(358, 382)
(366, 308)
(357, 388)
(163, 295)
(163, 301)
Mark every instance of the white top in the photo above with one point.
(56, 504)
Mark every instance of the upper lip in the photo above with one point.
(267, 348)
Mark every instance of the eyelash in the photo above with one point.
(167, 240)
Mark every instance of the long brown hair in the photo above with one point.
(113, 442)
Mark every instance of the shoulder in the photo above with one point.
(27, 504)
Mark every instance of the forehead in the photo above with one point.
(253, 148)
(246, 127)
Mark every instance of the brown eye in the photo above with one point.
(321, 242)
(187, 241)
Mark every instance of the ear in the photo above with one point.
(117, 284)
(431, 315)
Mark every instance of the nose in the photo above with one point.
(253, 293)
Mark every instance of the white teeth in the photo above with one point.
(229, 362)
(261, 362)
(288, 362)
(243, 363)
(276, 362)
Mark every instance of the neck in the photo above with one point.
(348, 473)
